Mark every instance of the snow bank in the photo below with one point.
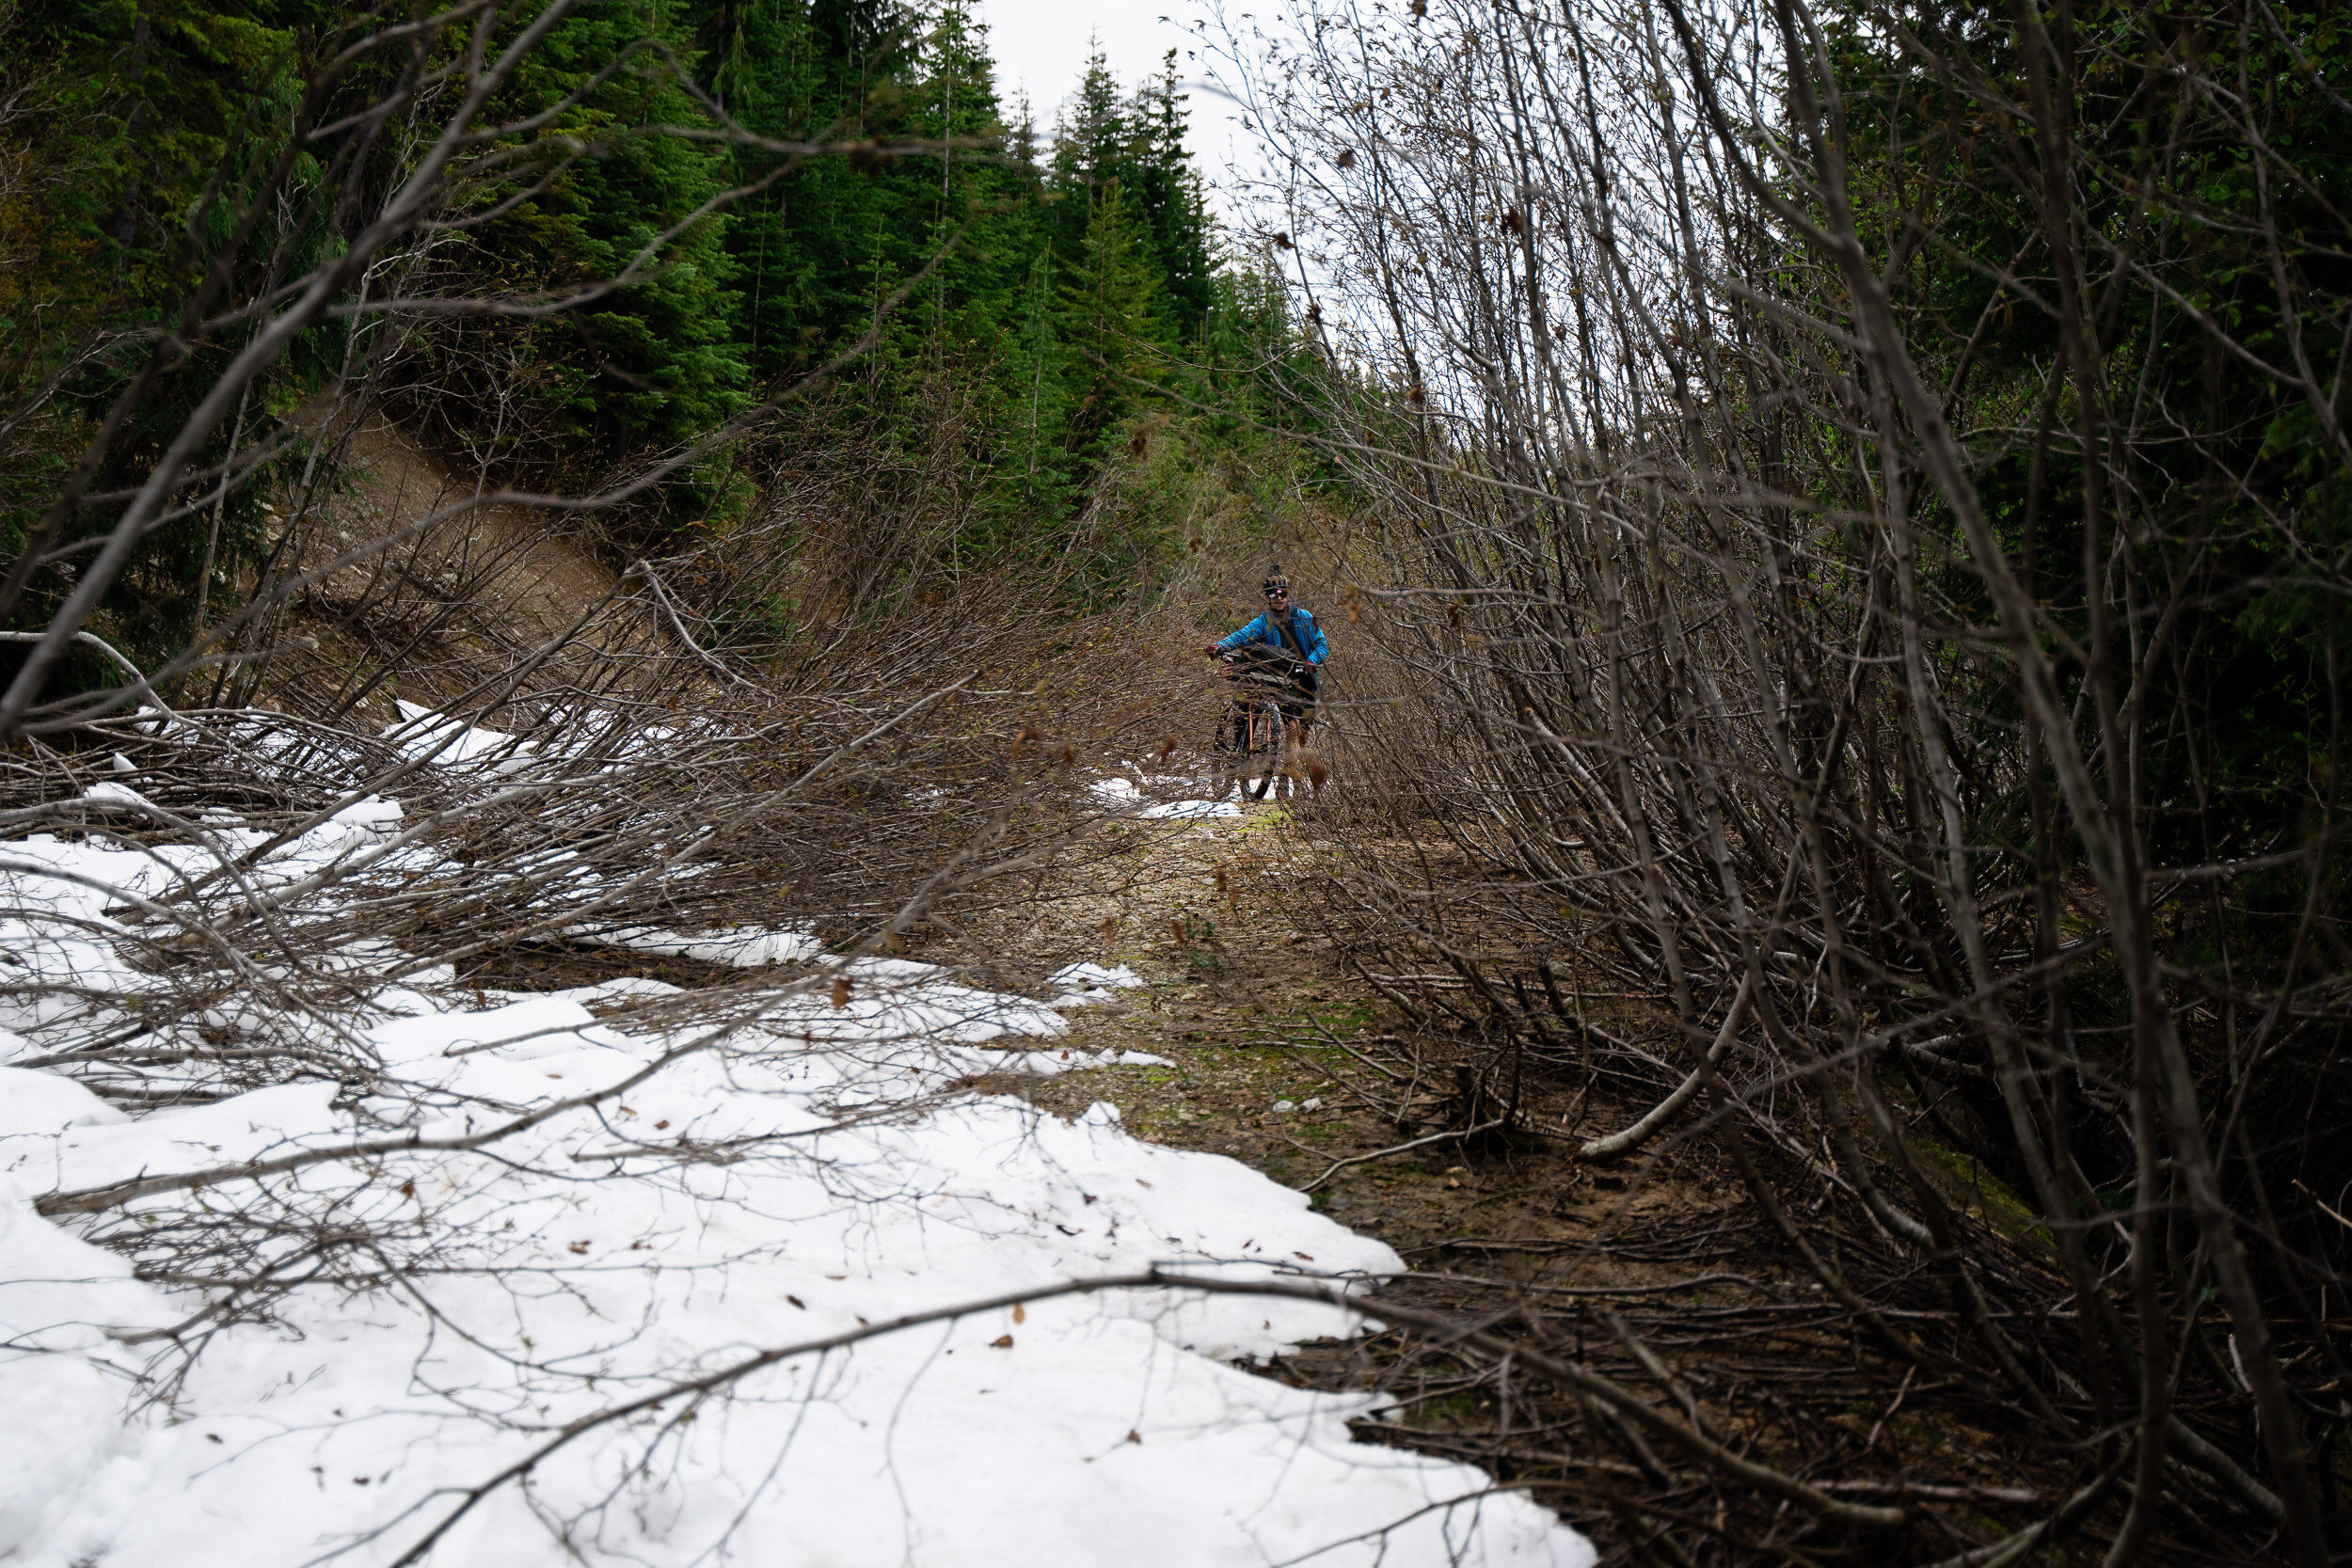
(813, 1171)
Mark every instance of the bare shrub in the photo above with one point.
(1831, 541)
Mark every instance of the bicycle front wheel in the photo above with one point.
(1270, 762)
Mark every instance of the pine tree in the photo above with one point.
(1089, 154)
(818, 246)
(1108, 327)
(1033, 471)
(976, 204)
(1170, 205)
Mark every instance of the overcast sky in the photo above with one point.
(1040, 47)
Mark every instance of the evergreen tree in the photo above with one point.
(1108, 327)
(1090, 147)
(656, 362)
(815, 244)
(1031, 480)
(1170, 206)
(981, 213)
(1072, 274)
(152, 123)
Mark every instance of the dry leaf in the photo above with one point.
(1002, 1341)
(1133, 1437)
(840, 993)
(1020, 1313)
(797, 1302)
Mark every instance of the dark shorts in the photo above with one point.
(1300, 704)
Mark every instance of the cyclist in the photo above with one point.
(1287, 639)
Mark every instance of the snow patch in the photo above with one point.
(34, 1103)
(454, 744)
(819, 1167)
(1095, 976)
(1191, 810)
(744, 949)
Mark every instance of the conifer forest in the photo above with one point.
(760, 806)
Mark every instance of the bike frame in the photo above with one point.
(1264, 718)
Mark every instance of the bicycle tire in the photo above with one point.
(1273, 753)
(1229, 752)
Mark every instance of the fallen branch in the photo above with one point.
(1449, 1135)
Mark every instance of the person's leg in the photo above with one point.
(1295, 722)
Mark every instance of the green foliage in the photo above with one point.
(1059, 293)
(135, 132)
(2165, 178)
(2199, 551)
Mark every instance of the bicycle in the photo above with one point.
(1254, 733)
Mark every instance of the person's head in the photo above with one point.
(1278, 589)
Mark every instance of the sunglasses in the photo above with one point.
(1278, 593)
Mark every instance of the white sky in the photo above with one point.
(1040, 47)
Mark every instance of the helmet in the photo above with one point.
(1277, 581)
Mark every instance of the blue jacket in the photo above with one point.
(1263, 629)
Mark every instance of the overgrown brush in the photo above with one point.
(1853, 565)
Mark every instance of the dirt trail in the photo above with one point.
(1286, 1059)
(446, 607)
